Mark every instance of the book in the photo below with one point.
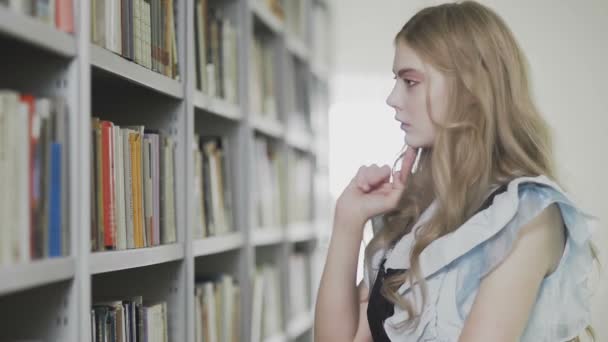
(108, 185)
(64, 15)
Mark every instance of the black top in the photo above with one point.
(378, 307)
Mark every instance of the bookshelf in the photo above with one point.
(60, 292)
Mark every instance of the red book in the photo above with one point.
(107, 187)
(30, 101)
(64, 15)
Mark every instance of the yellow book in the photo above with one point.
(135, 145)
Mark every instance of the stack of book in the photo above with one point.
(129, 320)
(144, 31)
(57, 13)
(300, 175)
(33, 177)
(216, 53)
(269, 184)
(266, 304)
(262, 79)
(133, 187)
(212, 192)
(217, 310)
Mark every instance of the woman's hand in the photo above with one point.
(371, 193)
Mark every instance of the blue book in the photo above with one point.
(55, 202)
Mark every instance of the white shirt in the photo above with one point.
(454, 265)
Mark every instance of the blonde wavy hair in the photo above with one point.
(491, 133)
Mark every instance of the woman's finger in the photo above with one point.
(400, 177)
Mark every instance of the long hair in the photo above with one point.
(491, 133)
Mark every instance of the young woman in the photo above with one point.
(480, 243)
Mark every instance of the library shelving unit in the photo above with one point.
(51, 299)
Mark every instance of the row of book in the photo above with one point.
(262, 78)
(269, 184)
(300, 176)
(57, 13)
(266, 317)
(212, 190)
(144, 31)
(217, 310)
(133, 187)
(129, 320)
(216, 52)
(33, 177)
(299, 284)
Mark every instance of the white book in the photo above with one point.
(210, 307)
(168, 205)
(227, 284)
(127, 186)
(113, 26)
(198, 317)
(11, 178)
(272, 318)
(109, 24)
(211, 81)
(265, 185)
(257, 306)
(229, 58)
(217, 202)
(21, 6)
(5, 238)
(147, 35)
(99, 30)
(199, 230)
(172, 192)
(121, 224)
(23, 197)
(137, 10)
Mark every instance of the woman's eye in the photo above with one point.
(410, 83)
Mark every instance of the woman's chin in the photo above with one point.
(412, 142)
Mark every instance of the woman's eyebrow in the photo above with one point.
(408, 70)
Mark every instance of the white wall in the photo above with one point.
(566, 43)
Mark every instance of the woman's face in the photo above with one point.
(415, 82)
